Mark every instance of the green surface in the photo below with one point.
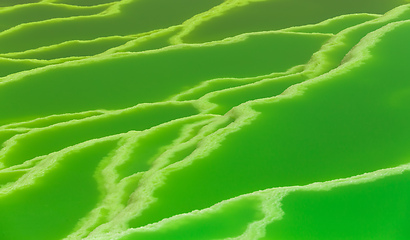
(131, 17)
(229, 221)
(69, 190)
(377, 210)
(9, 3)
(111, 82)
(28, 13)
(235, 119)
(308, 138)
(73, 49)
(37, 142)
(85, 3)
(337, 24)
(279, 14)
(10, 66)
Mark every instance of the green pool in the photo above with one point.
(204, 120)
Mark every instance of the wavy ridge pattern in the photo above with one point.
(235, 119)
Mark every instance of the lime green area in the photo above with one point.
(54, 119)
(10, 66)
(280, 14)
(133, 17)
(6, 134)
(9, 3)
(212, 86)
(85, 2)
(150, 146)
(73, 49)
(151, 42)
(337, 24)
(68, 190)
(131, 183)
(140, 119)
(335, 50)
(10, 176)
(341, 127)
(377, 210)
(12, 17)
(124, 81)
(230, 220)
(37, 142)
(225, 83)
(182, 153)
(230, 98)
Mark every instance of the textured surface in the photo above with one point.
(235, 119)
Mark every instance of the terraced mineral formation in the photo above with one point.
(204, 120)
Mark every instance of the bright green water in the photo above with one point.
(279, 14)
(10, 66)
(37, 142)
(73, 49)
(39, 12)
(314, 137)
(133, 17)
(377, 210)
(85, 3)
(8, 3)
(68, 190)
(111, 82)
(229, 221)
(115, 124)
